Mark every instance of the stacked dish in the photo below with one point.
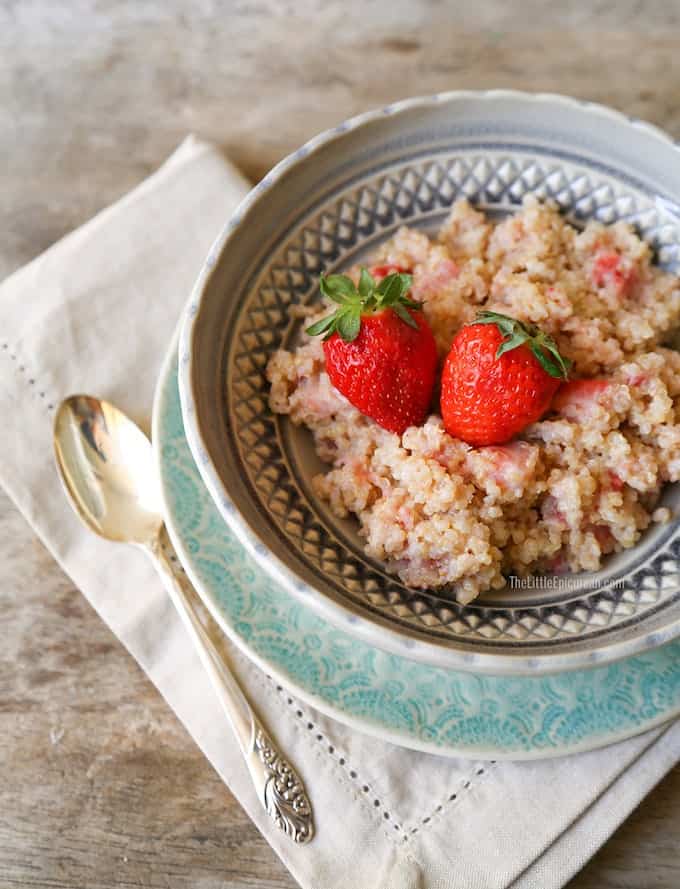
(535, 670)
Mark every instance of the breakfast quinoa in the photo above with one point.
(579, 484)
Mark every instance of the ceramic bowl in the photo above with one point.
(325, 207)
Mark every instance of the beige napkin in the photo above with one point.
(95, 313)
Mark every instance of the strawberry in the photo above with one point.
(499, 376)
(612, 270)
(379, 348)
(616, 483)
(579, 400)
(378, 272)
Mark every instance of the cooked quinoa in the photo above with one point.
(581, 483)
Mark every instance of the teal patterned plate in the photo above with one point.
(411, 704)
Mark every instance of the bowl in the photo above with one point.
(325, 207)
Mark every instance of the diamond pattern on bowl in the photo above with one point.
(420, 192)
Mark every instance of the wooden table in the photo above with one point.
(99, 784)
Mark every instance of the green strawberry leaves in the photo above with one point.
(322, 326)
(543, 347)
(366, 283)
(337, 287)
(356, 300)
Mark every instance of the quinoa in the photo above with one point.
(581, 483)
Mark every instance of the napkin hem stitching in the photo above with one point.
(21, 369)
(464, 786)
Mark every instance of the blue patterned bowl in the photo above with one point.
(323, 208)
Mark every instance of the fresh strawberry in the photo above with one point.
(499, 376)
(379, 348)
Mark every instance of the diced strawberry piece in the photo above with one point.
(508, 468)
(610, 270)
(551, 512)
(317, 395)
(558, 564)
(382, 271)
(604, 537)
(447, 455)
(446, 270)
(615, 481)
(513, 465)
(577, 399)
(606, 264)
(432, 280)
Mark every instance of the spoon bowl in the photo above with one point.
(107, 466)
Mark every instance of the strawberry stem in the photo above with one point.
(542, 346)
(354, 301)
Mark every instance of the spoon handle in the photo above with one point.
(278, 786)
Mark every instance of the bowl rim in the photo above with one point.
(377, 631)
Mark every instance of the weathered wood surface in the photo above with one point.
(99, 784)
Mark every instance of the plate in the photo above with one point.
(321, 209)
(453, 713)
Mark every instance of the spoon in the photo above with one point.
(107, 467)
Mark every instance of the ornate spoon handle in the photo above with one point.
(278, 785)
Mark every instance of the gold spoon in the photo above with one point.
(107, 467)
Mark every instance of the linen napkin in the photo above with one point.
(96, 313)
